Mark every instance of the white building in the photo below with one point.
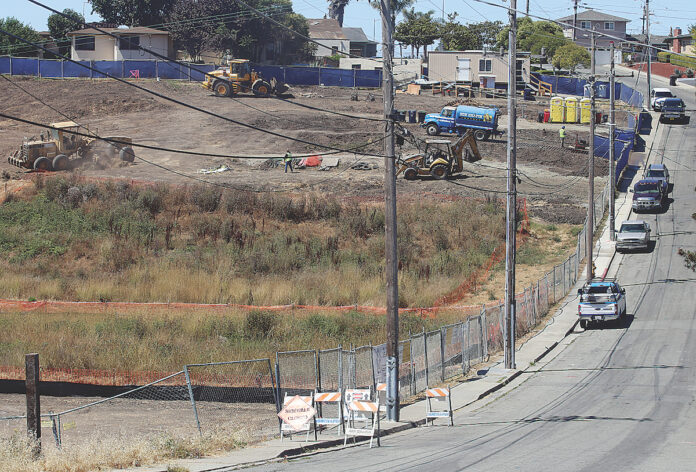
(92, 45)
(329, 34)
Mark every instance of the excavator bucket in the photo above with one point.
(278, 87)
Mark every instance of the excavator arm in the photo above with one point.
(459, 147)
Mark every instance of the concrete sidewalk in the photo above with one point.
(488, 380)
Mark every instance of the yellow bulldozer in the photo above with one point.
(440, 158)
(239, 77)
(59, 149)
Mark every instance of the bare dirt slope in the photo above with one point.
(553, 179)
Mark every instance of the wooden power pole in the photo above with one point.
(31, 362)
(511, 204)
(390, 216)
(612, 157)
(590, 165)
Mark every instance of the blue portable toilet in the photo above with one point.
(644, 122)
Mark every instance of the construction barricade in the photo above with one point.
(298, 415)
(439, 395)
(362, 420)
(322, 418)
(381, 393)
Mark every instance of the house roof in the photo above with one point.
(592, 15)
(356, 35)
(325, 28)
(134, 30)
(654, 38)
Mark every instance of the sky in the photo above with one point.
(359, 13)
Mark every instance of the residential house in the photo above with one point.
(48, 43)
(91, 45)
(595, 21)
(486, 69)
(360, 46)
(329, 34)
(637, 52)
(680, 42)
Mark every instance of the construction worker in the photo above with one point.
(288, 162)
(561, 132)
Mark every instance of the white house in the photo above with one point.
(330, 35)
(92, 45)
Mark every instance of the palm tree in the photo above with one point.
(337, 7)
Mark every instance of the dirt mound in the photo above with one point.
(76, 98)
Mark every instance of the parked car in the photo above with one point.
(648, 194)
(673, 109)
(601, 300)
(657, 97)
(633, 235)
(659, 172)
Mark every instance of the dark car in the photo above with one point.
(648, 194)
(673, 109)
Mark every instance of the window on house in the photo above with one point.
(485, 65)
(609, 25)
(84, 43)
(334, 50)
(127, 42)
(586, 24)
(356, 66)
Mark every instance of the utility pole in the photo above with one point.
(647, 46)
(575, 19)
(527, 11)
(590, 176)
(390, 216)
(511, 213)
(612, 157)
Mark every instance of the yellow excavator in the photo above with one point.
(440, 158)
(238, 77)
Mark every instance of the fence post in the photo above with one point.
(354, 78)
(442, 355)
(317, 369)
(319, 76)
(62, 76)
(279, 400)
(467, 345)
(275, 385)
(193, 400)
(316, 372)
(484, 335)
(340, 367)
(38, 67)
(91, 69)
(156, 69)
(31, 365)
(554, 284)
(425, 354)
(11, 69)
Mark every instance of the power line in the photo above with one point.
(190, 67)
(179, 102)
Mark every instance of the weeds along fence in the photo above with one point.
(246, 395)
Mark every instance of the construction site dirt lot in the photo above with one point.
(553, 179)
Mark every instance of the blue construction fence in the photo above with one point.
(153, 69)
(576, 86)
(149, 69)
(623, 145)
(328, 76)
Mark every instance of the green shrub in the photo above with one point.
(205, 198)
(683, 61)
(663, 56)
(259, 324)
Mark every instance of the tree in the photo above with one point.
(486, 31)
(417, 29)
(533, 36)
(132, 12)
(455, 36)
(570, 56)
(15, 47)
(59, 27)
(222, 25)
(692, 31)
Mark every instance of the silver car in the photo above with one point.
(633, 235)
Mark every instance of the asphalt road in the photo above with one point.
(614, 399)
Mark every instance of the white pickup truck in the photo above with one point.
(599, 301)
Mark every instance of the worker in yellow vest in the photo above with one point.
(561, 132)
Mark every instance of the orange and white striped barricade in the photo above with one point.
(356, 394)
(440, 395)
(329, 397)
(357, 411)
(298, 415)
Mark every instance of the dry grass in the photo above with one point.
(71, 240)
(166, 340)
(123, 452)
